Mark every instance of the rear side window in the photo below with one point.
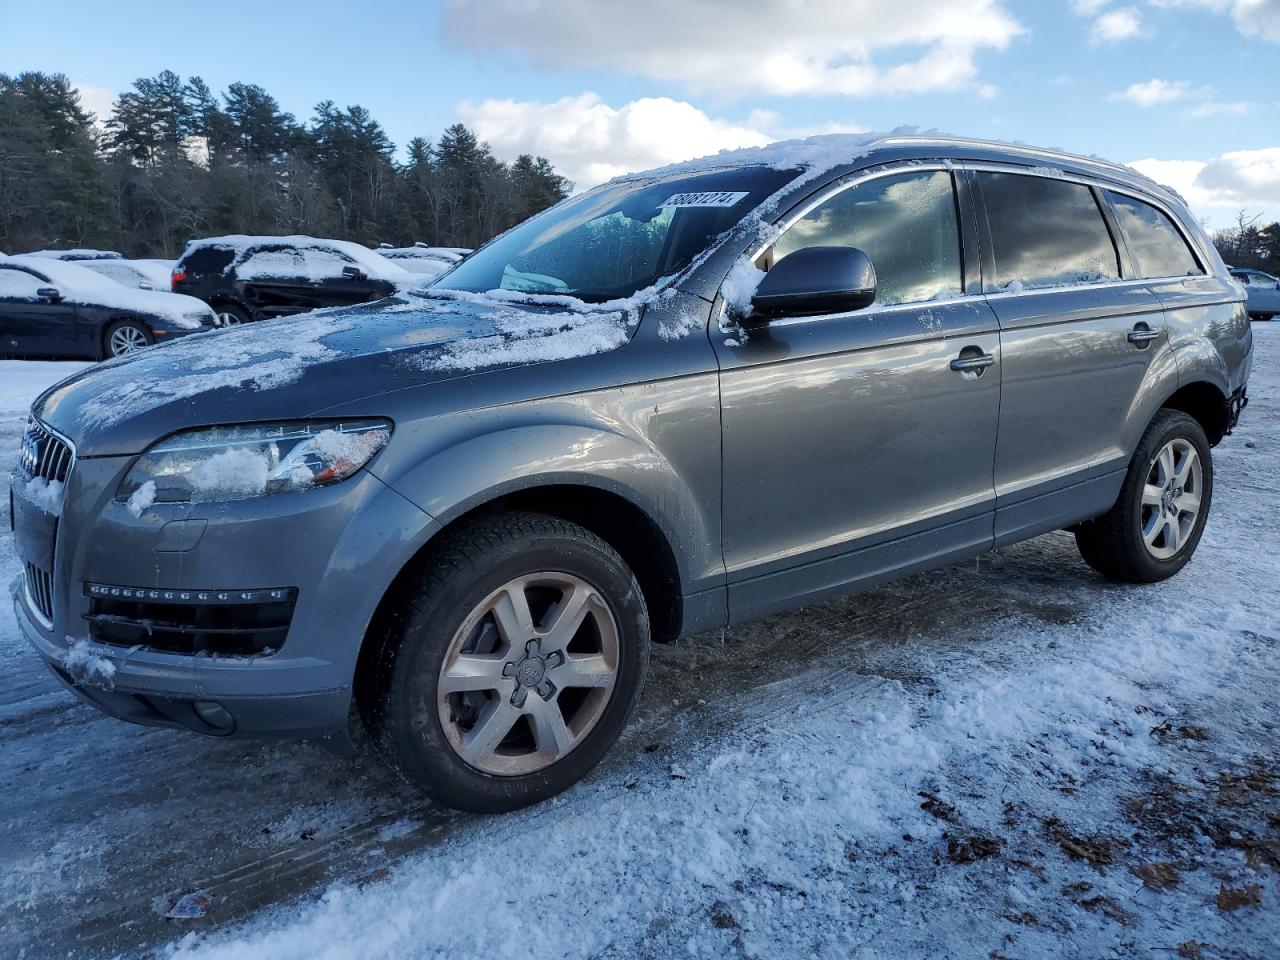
(293, 263)
(1158, 248)
(906, 224)
(206, 260)
(18, 285)
(1045, 233)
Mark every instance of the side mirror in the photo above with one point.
(52, 294)
(146, 285)
(353, 273)
(816, 280)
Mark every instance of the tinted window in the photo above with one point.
(1157, 247)
(906, 224)
(1045, 233)
(206, 260)
(18, 285)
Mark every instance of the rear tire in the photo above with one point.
(1156, 523)
(458, 664)
(124, 337)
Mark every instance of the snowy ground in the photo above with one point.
(1004, 759)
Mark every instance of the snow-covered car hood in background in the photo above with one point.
(293, 367)
(79, 284)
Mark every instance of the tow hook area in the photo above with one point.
(1239, 400)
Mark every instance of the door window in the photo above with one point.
(1045, 233)
(293, 263)
(1158, 248)
(19, 285)
(906, 224)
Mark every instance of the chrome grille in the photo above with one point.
(40, 591)
(44, 455)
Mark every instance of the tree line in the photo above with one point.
(175, 161)
(1249, 246)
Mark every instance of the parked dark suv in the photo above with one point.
(253, 278)
(686, 398)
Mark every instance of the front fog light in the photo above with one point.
(233, 463)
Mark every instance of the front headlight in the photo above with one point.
(233, 463)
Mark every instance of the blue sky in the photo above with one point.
(1190, 87)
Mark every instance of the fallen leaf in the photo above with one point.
(1191, 950)
(190, 906)
(937, 807)
(1158, 876)
(976, 846)
(1233, 898)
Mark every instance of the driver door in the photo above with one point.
(852, 449)
(31, 325)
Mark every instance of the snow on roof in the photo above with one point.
(373, 263)
(78, 253)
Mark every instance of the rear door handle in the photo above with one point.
(973, 364)
(1141, 335)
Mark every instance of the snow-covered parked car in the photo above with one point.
(77, 254)
(420, 258)
(146, 274)
(60, 308)
(248, 278)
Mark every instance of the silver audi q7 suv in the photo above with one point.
(683, 399)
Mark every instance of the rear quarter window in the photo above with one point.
(1045, 233)
(206, 260)
(1158, 249)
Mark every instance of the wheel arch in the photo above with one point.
(1206, 403)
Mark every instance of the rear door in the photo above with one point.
(851, 447)
(31, 325)
(1078, 340)
(284, 279)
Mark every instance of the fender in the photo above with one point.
(456, 479)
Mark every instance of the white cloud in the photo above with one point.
(1156, 92)
(1153, 91)
(1116, 25)
(1253, 18)
(1217, 188)
(97, 100)
(733, 48)
(590, 141)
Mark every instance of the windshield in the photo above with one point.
(610, 243)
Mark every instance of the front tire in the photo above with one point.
(124, 337)
(1156, 523)
(512, 667)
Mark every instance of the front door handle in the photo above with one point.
(973, 364)
(1141, 335)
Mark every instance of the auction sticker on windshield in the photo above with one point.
(713, 198)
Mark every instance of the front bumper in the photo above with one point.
(340, 546)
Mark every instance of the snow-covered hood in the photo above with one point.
(291, 368)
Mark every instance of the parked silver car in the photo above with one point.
(1263, 291)
(683, 399)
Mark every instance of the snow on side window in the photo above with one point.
(19, 285)
(309, 264)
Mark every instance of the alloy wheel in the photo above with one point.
(126, 340)
(228, 319)
(528, 674)
(1171, 498)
